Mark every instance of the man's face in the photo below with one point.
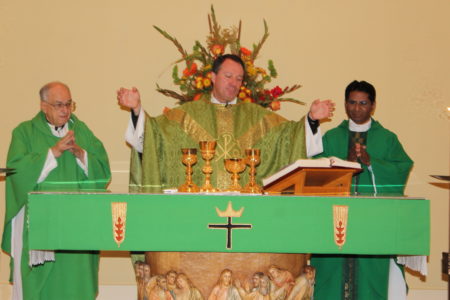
(226, 278)
(147, 271)
(140, 270)
(227, 81)
(171, 278)
(256, 280)
(358, 107)
(57, 95)
(310, 274)
(162, 283)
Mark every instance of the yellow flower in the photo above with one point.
(242, 95)
(206, 82)
(199, 85)
(251, 71)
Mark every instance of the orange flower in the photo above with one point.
(245, 51)
(242, 95)
(206, 82)
(217, 50)
(166, 110)
(248, 100)
(197, 97)
(275, 105)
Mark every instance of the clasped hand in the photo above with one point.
(359, 152)
(67, 143)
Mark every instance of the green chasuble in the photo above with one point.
(73, 275)
(351, 277)
(234, 127)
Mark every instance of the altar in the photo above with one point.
(204, 236)
(191, 222)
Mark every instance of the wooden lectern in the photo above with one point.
(314, 181)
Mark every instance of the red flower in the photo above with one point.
(191, 70)
(245, 51)
(276, 92)
(197, 97)
(275, 105)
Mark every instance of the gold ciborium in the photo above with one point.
(208, 149)
(234, 166)
(189, 159)
(252, 159)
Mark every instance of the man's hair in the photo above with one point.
(309, 268)
(361, 86)
(259, 274)
(219, 61)
(43, 92)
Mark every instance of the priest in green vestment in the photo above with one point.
(235, 125)
(54, 151)
(386, 167)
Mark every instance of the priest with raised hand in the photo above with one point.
(220, 117)
(54, 151)
(386, 167)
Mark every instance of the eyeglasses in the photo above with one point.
(60, 105)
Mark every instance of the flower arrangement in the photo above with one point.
(196, 76)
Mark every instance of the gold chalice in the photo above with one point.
(235, 166)
(189, 159)
(252, 159)
(208, 149)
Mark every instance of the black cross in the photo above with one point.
(229, 227)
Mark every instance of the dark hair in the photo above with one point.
(361, 86)
(219, 61)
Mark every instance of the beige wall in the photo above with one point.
(402, 47)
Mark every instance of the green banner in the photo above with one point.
(180, 222)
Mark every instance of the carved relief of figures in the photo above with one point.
(139, 273)
(281, 281)
(225, 290)
(185, 289)
(278, 284)
(171, 278)
(160, 291)
(260, 289)
(304, 285)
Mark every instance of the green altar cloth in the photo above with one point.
(180, 222)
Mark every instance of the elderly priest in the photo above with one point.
(54, 151)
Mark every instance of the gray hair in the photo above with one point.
(43, 92)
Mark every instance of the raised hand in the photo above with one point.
(130, 98)
(321, 109)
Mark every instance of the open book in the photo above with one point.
(324, 162)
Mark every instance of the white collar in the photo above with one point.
(352, 126)
(61, 131)
(215, 101)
